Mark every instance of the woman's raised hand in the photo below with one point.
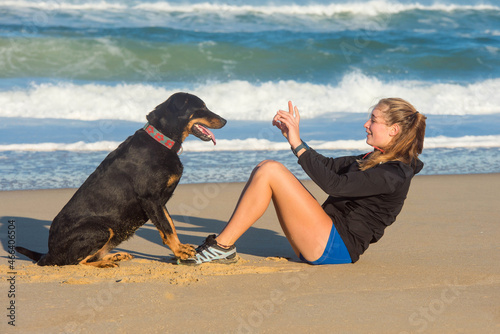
(288, 123)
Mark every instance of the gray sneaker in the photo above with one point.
(210, 251)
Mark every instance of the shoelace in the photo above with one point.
(203, 246)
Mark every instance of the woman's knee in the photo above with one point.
(266, 162)
(271, 170)
(270, 167)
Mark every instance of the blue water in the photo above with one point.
(78, 77)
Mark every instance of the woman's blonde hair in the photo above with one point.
(409, 141)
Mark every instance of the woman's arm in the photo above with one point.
(331, 178)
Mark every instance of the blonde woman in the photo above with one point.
(366, 192)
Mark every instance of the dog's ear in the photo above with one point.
(179, 101)
(152, 117)
(177, 105)
(174, 106)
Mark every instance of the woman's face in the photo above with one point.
(378, 133)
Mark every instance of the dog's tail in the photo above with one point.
(35, 256)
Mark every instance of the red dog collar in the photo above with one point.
(160, 137)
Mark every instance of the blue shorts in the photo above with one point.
(335, 251)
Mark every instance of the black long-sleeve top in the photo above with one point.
(361, 203)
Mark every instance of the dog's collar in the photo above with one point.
(160, 137)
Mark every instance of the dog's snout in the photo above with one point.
(216, 122)
(223, 122)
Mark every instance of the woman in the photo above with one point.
(366, 192)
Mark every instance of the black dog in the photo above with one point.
(131, 185)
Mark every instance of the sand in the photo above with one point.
(436, 270)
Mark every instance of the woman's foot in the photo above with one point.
(211, 251)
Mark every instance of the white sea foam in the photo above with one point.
(254, 144)
(224, 15)
(355, 93)
(48, 147)
(368, 8)
(365, 8)
(465, 141)
(62, 5)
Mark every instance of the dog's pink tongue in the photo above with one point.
(208, 133)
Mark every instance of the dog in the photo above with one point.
(131, 186)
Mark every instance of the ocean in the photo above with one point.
(79, 77)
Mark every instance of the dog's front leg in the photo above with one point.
(161, 219)
(182, 251)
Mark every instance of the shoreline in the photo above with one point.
(23, 173)
(435, 270)
(241, 182)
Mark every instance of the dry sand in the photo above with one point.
(437, 270)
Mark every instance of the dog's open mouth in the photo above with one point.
(203, 133)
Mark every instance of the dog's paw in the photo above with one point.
(121, 256)
(185, 251)
(101, 264)
(116, 257)
(108, 264)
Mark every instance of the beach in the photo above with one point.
(434, 271)
(77, 77)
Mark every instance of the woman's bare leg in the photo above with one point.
(302, 219)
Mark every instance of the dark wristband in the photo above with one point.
(298, 148)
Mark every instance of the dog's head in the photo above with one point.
(184, 114)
